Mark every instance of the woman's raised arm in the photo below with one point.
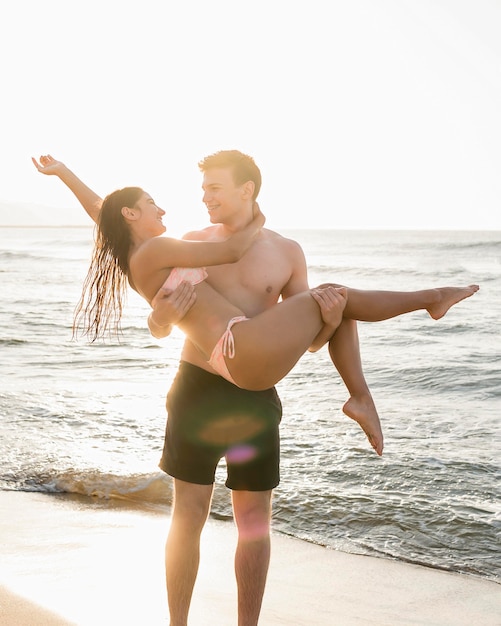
(90, 201)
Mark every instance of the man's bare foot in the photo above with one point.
(449, 296)
(363, 410)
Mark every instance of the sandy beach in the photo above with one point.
(67, 562)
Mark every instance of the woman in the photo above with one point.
(252, 353)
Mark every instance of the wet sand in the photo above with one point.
(65, 561)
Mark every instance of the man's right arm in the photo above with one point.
(298, 283)
(90, 201)
(169, 307)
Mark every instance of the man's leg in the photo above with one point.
(252, 511)
(182, 550)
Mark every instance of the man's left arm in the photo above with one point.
(298, 282)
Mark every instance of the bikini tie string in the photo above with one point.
(228, 341)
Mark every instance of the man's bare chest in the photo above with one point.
(255, 282)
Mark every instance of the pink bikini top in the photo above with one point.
(193, 275)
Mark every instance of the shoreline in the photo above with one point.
(68, 562)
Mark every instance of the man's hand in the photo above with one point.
(48, 165)
(331, 301)
(169, 308)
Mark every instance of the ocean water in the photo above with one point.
(89, 419)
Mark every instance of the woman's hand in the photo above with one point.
(48, 165)
(257, 217)
(89, 199)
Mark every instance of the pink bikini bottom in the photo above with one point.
(225, 347)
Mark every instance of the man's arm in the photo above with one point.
(297, 283)
(169, 307)
(90, 201)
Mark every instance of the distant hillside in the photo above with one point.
(22, 214)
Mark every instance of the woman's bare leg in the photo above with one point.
(344, 350)
(376, 306)
(282, 334)
(268, 345)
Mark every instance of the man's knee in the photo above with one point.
(252, 511)
(325, 285)
(191, 503)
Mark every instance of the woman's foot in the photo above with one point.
(447, 297)
(363, 410)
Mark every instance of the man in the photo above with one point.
(274, 267)
(208, 417)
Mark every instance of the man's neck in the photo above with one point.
(236, 224)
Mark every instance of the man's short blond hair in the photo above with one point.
(242, 165)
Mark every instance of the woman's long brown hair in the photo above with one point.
(99, 310)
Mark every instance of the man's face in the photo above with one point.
(223, 199)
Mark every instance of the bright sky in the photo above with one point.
(360, 113)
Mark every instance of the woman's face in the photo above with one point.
(149, 216)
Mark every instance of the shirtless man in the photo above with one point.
(274, 267)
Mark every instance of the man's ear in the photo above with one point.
(248, 190)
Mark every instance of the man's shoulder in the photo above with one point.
(204, 233)
(280, 240)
